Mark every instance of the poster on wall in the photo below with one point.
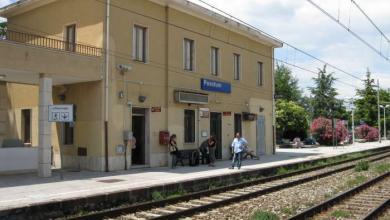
(204, 112)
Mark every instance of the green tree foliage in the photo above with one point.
(324, 102)
(367, 103)
(291, 120)
(286, 85)
(3, 27)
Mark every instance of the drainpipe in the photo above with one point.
(106, 85)
(167, 69)
(273, 104)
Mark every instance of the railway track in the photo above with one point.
(190, 204)
(366, 201)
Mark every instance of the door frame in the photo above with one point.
(260, 141)
(146, 138)
(220, 141)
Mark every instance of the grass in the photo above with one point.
(287, 211)
(356, 181)
(382, 168)
(341, 214)
(262, 215)
(156, 196)
(178, 193)
(363, 165)
(282, 170)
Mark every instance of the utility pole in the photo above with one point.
(353, 125)
(379, 114)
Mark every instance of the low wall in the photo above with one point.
(18, 159)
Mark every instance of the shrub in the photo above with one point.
(323, 132)
(156, 195)
(362, 166)
(367, 132)
(261, 215)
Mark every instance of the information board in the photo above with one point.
(60, 113)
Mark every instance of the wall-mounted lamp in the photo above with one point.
(261, 109)
(121, 94)
(62, 97)
(141, 98)
(123, 68)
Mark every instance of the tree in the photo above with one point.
(322, 130)
(367, 103)
(324, 102)
(291, 120)
(286, 85)
(3, 27)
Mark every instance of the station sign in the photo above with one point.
(215, 86)
(60, 113)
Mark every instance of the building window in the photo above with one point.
(189, 54)
(214, 61)
(26, 126)
(68, 133)
(260, 77)
(189, 126)
(70, 38)
(237, 66)
(139, 43)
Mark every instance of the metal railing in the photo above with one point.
(41, 41)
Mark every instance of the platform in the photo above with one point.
(27, 189)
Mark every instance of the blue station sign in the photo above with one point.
(215, 86)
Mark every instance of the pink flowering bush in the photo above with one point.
(321, 128)
(367, 133)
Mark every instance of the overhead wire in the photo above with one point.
(202, 34)
(349, 30)
(284, 42)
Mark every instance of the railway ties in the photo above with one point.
(222, 196)
(366, 201)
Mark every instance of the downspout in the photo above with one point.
(106, 85)
(167, 65)
(273, 103)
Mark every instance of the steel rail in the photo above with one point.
(377, 211)
(115, 212)
(332, 201)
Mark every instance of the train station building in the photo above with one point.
(142, 68)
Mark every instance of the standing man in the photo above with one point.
(238, 146)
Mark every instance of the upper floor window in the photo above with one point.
(189, 54)
(237, 66)
(70, 37)
(214, 61)
(139, 43)
(260, 77)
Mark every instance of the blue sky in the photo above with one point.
(302, 25)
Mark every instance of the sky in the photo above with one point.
(300, 24)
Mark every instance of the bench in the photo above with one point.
(192, 155)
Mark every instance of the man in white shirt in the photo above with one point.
(238, 146)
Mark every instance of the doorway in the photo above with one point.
(216, 130)
(237, 124)
(26, 126)
(138, 128)
(260, 131)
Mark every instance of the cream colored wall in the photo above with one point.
(150, 79)
(50, 20)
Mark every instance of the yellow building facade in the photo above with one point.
(134, 68)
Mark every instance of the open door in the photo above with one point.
(139, 132)
(216, 130)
